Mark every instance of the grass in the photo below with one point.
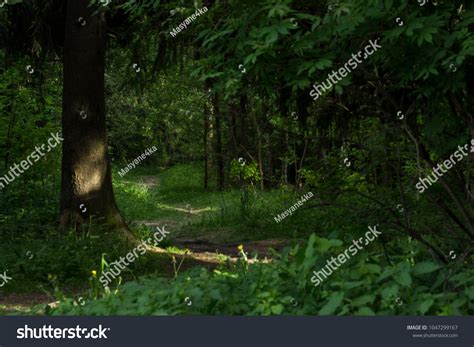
(155, 197)
(220, 214)
(66, 260)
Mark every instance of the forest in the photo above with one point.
(236, 157)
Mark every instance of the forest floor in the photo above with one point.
(190, 214)
(204, 230)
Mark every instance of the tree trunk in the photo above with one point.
(206, 145)
(86, 184)
(219, 154)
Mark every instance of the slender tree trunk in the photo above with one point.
(243, 120)
(9, 110)
(284, 94)
(219, 154)
(233, 129)
(86, 185)
(259, 146)
(206, 146)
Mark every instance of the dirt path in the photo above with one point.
(150, 181)
(21, 303)
(261, 248)
(206, 247)
(147, 181)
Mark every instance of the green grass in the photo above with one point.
(365, 285)
(219, 213)
(62, 263)
(70, 258)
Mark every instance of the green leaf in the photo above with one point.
(425, 306)
(403, 278)
(425, 268)
(363, 300)
(272, 37)
(390, 292)
(365, 311)
(334, 302)
(277, 309)
(323, 63)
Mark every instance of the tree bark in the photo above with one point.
(86, 184)
(206, 145)
(219, 153)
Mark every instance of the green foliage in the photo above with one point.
(359, 287)
(247, 173)
(423, 70)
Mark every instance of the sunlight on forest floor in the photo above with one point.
(151, 200)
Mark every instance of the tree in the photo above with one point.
(86, 185)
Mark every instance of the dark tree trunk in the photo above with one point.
(206, 145)
(9, 110)
(233, 113)
(284, 94)
(243, 118)
(303, 102)
(86, 185)
(219, 154)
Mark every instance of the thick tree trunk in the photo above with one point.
(86, 185)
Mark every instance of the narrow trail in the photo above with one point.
(150, 181)
(205, 248)
(20, 303)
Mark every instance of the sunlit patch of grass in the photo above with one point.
(180, 197)
(16, 310)
(176, 250)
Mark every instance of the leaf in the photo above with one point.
(334, 302)
(365, 311)
(309, 252)
(390, 292)
(363, 300)
(371, 268)
(215, 294)
(282, 29)
(425, 306)
(277, 309)
(327, 244)
(403, 278)
(470, 292)
(272, 37)
(323, 63)
(425, 268)
(250, 59)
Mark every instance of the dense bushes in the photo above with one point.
(365, 285)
